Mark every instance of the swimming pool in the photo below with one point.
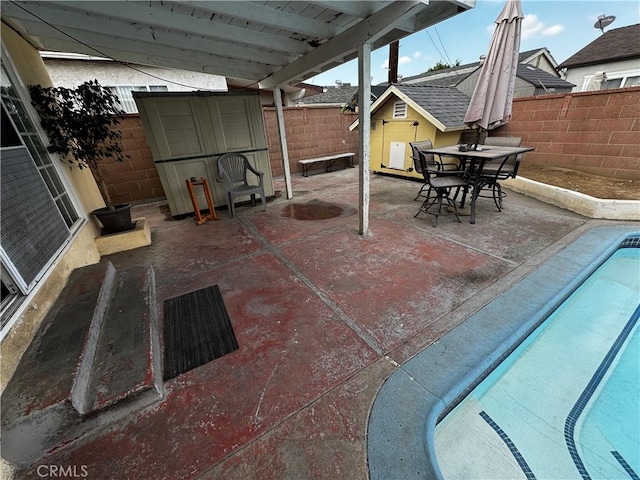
(566, 402)
(402, 421)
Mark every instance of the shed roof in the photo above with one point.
(445, 107)
(614, 45)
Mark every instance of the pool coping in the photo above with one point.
(400, 432)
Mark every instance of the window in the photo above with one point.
(38, 213)
(608, 84)
(32, 140)
(399, 110)
(623, 79)
(127, 103)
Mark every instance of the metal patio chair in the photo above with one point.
(492, 172)
(234, 168)
(440, 182)
(417, 149)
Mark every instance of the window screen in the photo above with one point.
(32, 228)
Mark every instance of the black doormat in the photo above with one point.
(196, 330)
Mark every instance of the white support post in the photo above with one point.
(364, 126)
(277, 97)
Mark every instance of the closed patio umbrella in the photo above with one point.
(490, 104)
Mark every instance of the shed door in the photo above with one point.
(397, 154)
(188, 133)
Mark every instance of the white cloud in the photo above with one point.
(417, 54)
(553, 30)
(532, 25)
(401, 61)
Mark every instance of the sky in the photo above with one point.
(564, 27)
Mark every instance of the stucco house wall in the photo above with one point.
(542, 62)
(80, 251)
(70, 72)
(582, 76)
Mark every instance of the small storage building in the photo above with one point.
(409, 113)
(188, 131)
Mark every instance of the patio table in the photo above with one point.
(473, 162)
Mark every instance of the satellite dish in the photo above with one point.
(604, 21)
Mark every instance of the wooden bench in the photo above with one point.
(328, 160)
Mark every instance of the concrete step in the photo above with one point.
(95, 360)
(121, 356)
(46, 371)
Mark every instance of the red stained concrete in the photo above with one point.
(318, 312)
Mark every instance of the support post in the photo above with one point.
(364, 124)
(277, 97)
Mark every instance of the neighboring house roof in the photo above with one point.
(540, 78)
(445, 107)
(617, 44)
(345, 95)
(331, 96)
(529, 56)
(452, 76)
(445, 77)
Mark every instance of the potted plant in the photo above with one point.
(80, 124)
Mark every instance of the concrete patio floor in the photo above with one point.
(322, 317)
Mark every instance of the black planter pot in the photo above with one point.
(116, 220)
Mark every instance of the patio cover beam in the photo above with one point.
(254, 12)
(357, 9)
(347, 42)
(156, 15)
(76, 26)
(103, 42)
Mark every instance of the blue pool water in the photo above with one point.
(566, 402)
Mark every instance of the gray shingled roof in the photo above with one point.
(541, 78)
(452, 76)
(333, 95)
(446, 77)
(617, 44)
(447, 104)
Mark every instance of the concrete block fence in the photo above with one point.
(312, 131)
(136, 179)
(593, 132)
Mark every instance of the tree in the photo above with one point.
(80, 124)
(442, 65)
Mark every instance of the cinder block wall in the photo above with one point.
(312, 131)
(135, 180)
(593, 132)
